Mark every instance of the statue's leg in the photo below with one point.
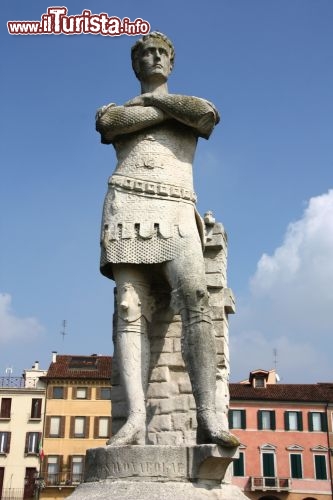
(190, 298)
(133, 350)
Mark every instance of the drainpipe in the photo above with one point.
(330, 449)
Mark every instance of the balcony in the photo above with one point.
(11, 382)
(63, 479)
(270, 483)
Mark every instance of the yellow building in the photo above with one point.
(77, 417)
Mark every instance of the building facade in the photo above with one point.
(22, 402)
(77, 417)
(286, 438)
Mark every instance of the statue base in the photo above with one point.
(158, 472)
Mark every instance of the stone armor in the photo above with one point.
(149, 207)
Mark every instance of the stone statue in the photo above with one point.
(150, 228)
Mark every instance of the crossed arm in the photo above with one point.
(147, 110)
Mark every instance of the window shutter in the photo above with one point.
(62, 427)
(71, 429)
(296, 466)
(299, 421)
(98, 393)
(310, 423)
(6, 404)
(239, 465)
(259, 415)
(230, 419)
(65, 392)
(273, 420)
(88, 392)
(96, 427)
(49, 392)
(268, 464)
(26, 447)
(44, 465)
(47, 426)
(323, 418)
(86, 427)
(243, 419)
(9, 434)
(286, 420)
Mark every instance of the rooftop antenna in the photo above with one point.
(63, 331)
(275, 354)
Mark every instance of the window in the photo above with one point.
(77, 468)
(268, 464)
(102, 427)
(32, 442)
(296, 465)
(238, 465)
(36, 408)
(259, 382)
(53, 466)
(6, 404)
(293, 421)
(320, 467)
(55, 426)
(4, 442)
(81, 393)
(317, 421)
(58, 392)
(266, 420)
(79, 427)
(105, 393)
(237, 419)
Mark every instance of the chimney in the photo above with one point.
(54, 356)
(36, 365)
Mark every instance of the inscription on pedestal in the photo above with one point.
(158, 462)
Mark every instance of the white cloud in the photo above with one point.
(290, 303)
(14, 328)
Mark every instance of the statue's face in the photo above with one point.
(154, 61)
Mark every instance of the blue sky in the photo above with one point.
(266, 172)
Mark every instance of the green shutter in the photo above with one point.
(230, 419)
(239, 465)
(273, 420)
(310, 424)
(323, 417)
(259, 415)
(296, 465)
(320, 464)
(299, 421)
(268, 464)
(286, 420)
(243, 419)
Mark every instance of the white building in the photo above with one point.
(22, 404)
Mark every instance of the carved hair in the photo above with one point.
(138, 46)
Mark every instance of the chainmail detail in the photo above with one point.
(139, 250)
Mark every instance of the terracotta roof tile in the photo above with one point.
(322, 392)
(80, 367)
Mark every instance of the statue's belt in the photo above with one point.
(155, 189)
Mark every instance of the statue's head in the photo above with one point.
(153, 54)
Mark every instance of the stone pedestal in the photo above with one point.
(158, 472)
(171, 466)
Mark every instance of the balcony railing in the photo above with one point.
(270, 483)
(12, 494)
(63, 479)
(12, 382)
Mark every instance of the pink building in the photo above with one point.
(285, 432)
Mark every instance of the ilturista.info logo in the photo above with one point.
(56, 21)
